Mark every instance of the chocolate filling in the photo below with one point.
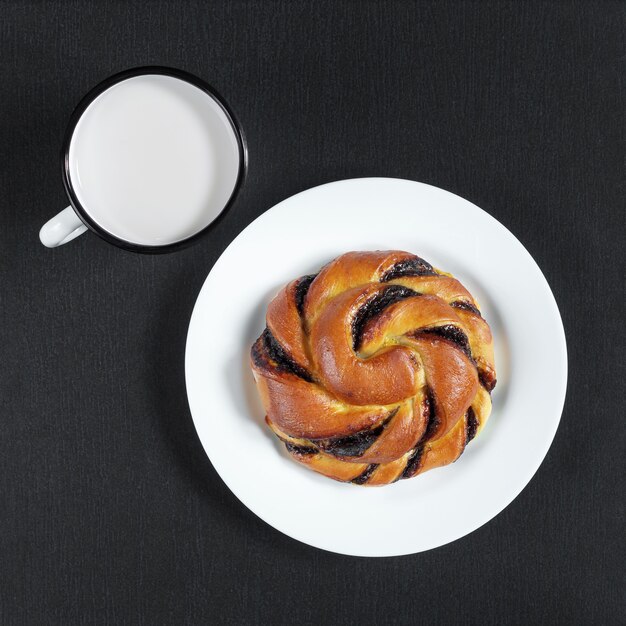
(353, 445)
(413, 463)
(267, 352)
(451, 333)
(487, 380)
(408, 267)
(365, 475)
(428, 409)
(299, 450)
(302, 288)
(471, 425)
(376, 305)
(466, 306)
(259, 355)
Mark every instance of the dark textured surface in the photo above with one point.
(109, 511)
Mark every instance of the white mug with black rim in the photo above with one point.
(151, 158)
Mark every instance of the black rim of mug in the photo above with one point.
(81, 108)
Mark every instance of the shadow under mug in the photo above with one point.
(75, 219)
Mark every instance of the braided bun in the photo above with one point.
(378, 368)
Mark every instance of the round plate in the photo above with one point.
(297, 237)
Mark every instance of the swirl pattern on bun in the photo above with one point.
(378, 368)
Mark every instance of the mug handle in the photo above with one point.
(61, 228)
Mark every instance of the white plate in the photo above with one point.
(297, 237)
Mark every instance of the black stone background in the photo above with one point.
(110, 513)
